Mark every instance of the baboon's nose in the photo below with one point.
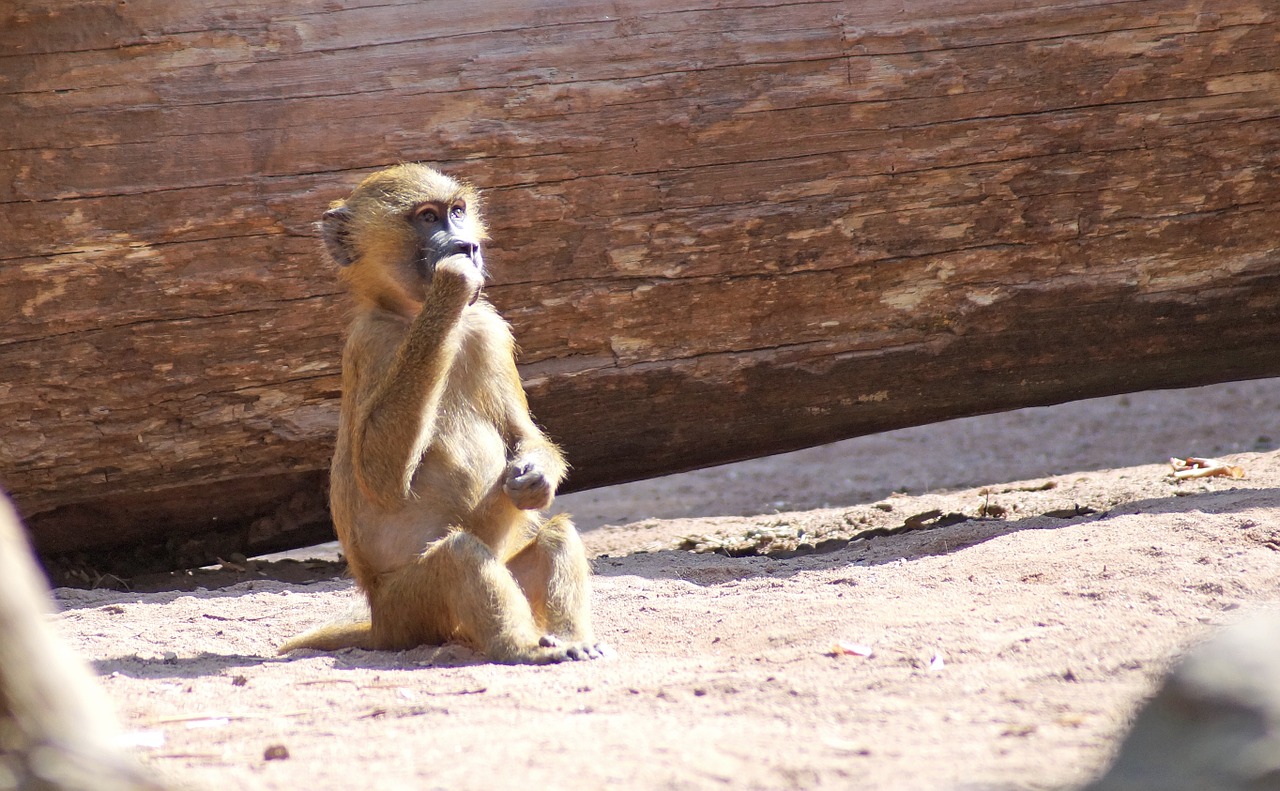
(460, 247)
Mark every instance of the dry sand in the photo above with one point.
(1003, 644)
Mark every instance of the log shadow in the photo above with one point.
(191, 667)
(716, 568)
(70, 599)
(208, 578)
(705, 570)
(713, 568)
(203, 665)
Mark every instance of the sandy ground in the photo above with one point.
(1027, 578)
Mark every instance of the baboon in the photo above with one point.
(439, 471)
(57, 732)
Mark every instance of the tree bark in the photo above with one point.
(719, 232)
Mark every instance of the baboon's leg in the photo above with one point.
(457, 589)
(555, 576)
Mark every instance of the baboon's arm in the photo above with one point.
(398, 404)
(529, 450)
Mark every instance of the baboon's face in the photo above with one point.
(442, 229)
(399, 224)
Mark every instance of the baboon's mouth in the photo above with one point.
(425, 268)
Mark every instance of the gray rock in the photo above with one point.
(1214, 725)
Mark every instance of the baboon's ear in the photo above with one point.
(335, 229)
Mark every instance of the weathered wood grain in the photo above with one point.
(719, 230)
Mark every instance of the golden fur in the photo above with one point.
(439, 470)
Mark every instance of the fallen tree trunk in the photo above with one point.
(721, 233)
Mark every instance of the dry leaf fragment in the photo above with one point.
(1195, 467)
(1019, 730)
(846, 648)
(990, 510)
(276, 752)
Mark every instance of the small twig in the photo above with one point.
(397, 713)
(390, 685)
(213, 617)
(475, 691)
(317, 681)
(232, 717)
(200, 717)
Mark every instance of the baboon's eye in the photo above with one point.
(458, 212)
(428, 214)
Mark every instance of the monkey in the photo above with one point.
(57, 731)
(439, 473)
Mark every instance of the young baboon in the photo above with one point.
(57, 732)
(439, 471)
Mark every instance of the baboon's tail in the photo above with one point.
(352, 629)
(332, 636)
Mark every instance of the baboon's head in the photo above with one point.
(397, 225)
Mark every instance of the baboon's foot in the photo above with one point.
(578, 650)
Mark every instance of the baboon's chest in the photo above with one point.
(468, 454)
